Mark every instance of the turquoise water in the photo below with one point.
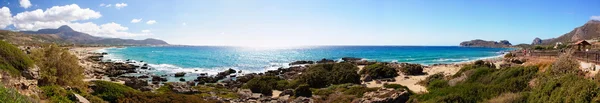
(213, 59)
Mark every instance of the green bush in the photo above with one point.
(412, 69)
(358, 91)
(379, 70)
(263, 84)
(323, 75)
(482, 84)
(429, 79)
(436, 84)
(8, 95)
(111, 91)
(303, 90)
(342, 73)
(58, 67)
(564, 89)
(13, 60)
(55, 94)
(148, 97)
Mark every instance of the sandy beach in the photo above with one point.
(411, 80)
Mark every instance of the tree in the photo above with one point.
(58, 66)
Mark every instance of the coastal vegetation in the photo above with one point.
(9, 95)
(58, 67)
(13, 60)
(380, 70)
(323, 75)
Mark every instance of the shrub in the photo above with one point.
(342, 73)
(436, 84)
(111, 91)
(358, 91)
(148, 97)
(379, 70)
(55, 94)
(565, 64)
(9, 95)
(565, 88)
(263, 84)
(303, 90)
(323, 75)
(429, 79)
(412, 69)
(398, 87)
(484, 83)
(58, 67)
(13, 60)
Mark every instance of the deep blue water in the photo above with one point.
(213, 59)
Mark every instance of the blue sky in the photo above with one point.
(310, 22)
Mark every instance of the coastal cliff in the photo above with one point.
(483, 43)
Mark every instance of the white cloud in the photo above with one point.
(52, 17)
(112, 29)
(5, 17)
(150, 22)
(595, 18)
(70, 15)
(109, 5)
(120, 5)
(102, 5)
(25, 3)
(184, 24)
(136, 20)
(145, 31)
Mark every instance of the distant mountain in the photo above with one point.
(483, 43)
(589, 30)
(67, 34)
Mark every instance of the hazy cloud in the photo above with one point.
(120, 5)
(136, 20)
(105, 30)
(150, 22)
(146, 31)
(595, 18)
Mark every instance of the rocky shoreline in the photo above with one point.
(96, 69)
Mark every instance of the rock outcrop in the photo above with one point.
(385, 96)
(483, 43)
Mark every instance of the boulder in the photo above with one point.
(325, 61)
(180, 74)
(158, 79)
(183, 88)
(181, 79)
(351, 59)
(80, 99)
(387, 95)
(301, 62)
(136, 83)
(286, 92)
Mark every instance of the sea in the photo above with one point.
(164, 60)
